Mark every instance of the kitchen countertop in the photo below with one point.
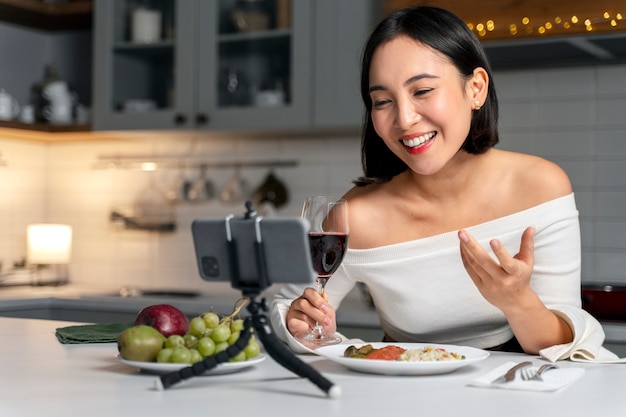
(43, 377)
(354, 312)
(221, 298)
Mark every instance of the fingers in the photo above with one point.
(475, 259)
(527, 247)
(309, 309)
(501, 280)
(526, 252)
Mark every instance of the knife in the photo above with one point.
(510, 374)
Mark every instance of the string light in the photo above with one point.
(604, 20)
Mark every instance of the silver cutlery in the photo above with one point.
(510, 374)
(529, 374)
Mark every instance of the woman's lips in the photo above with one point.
(418, 141)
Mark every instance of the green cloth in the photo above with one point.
(91, 333)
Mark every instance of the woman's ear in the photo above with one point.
(478, 86)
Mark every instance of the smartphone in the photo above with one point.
(253, 253)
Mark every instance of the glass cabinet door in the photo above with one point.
(202, 64)
(143, 64)
(256, 71)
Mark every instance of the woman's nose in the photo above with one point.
(406, 115)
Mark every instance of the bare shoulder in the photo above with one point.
(535, 179)
(367, 216)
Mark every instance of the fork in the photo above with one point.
(529, 374)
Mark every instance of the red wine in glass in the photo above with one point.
(327, 251)
(328, 240)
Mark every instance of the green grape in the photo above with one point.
(180, 354)
(236, 325)
(252, 350)
(197, 326)
(221, 333)
(233, 338)
(206, 346)
(164, 355)
(240, 357)
(211, 319)
(190, 340)
(174, 341)
(220, 347)
(195, 356)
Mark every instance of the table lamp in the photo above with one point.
(49, 245)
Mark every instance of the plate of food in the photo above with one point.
(220, 369)
(402, 358)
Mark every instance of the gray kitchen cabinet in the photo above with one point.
(215, 64)
(297, 70)
(342, 28)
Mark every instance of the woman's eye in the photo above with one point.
(379, 103)
(422, 91)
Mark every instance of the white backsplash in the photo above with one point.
(574, 117)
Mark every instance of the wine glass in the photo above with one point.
(328, 239)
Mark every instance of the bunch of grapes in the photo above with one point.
(208, 335)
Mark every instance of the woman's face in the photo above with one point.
(421, 104)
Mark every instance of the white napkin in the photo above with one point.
(553, 379)
(587, 343)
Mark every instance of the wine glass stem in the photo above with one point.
(321, 284)
(318, 330)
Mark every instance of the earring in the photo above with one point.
(476, 105)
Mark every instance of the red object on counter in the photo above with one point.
(605, 302)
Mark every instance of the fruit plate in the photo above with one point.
(220, 369)
(388, 367)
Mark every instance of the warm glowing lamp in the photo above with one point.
(50, 244)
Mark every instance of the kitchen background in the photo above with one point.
(574, 116)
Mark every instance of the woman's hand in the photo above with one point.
(505, 283)
(306, 310)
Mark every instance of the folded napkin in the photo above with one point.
(91, 333)
(553, 379)
(587, 343)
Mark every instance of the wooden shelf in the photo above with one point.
(38, 14)
(43, 127)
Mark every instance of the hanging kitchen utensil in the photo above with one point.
(272, 190)
(236, 189)
(174, 193)
(202, 189)
(152, 210)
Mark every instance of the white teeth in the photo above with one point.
(418, 140)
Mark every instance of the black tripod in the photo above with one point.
(257, 321)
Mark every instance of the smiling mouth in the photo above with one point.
(418, 141)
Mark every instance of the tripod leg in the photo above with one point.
(287, 359)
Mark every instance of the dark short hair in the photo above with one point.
(448, 34)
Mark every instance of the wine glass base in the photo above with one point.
(314, 341)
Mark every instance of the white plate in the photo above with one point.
(163, 368)
(385, 367)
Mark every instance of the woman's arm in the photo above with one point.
(545, 272)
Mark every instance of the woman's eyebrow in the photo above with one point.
(406, 83)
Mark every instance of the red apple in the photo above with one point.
(167, 319)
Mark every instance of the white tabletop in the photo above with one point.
(42, 377)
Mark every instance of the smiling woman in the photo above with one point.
(457, 242)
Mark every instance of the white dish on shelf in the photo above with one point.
(387, 367)
(220, 369)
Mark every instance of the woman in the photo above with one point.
(457, 242)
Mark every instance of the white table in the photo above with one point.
(41, 377)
